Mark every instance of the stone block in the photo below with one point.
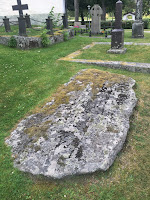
(117, 51)
(117, 40)
(138, 30)
(77, 24)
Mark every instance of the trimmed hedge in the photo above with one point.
(125, 24)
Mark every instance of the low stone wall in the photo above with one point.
(35, 42)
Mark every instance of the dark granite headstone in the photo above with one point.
(65, 21)
(49, 25)
(21, 19)
(28, 21)
(7, 24)
(138, 25)
(117, 39)
(22, 26)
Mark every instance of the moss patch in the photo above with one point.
(95, 77)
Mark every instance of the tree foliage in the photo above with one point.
(108, 6)
(146, 7)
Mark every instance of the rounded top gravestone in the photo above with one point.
(96, 12)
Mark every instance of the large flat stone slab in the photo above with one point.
(80, 130)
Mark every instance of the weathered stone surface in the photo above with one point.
(138, 25)
(96, 12)
(80, 130)
(32, 42)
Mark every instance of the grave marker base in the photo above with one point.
(117, 51)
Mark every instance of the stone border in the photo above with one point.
(129, 66)
(35, 42)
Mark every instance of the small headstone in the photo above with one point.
(96, 13)
(117, 39)
(28, 21)
(65, 21)
(49, 25)
(22, 26)
(7, 24)
(77, 24)
(83, 27)
(138, 25)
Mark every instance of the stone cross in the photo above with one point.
(20, 7)
(21, 19)
(139, 10)
(96, 13)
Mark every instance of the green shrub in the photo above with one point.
(56, 19)
(146, 23)
(66, 36)
(125, 24)
(12, 42)
(45, 41)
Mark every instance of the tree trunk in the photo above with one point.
(76, 8)
(104, 11)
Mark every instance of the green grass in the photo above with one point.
(133, 54)
(15, 31)
(128, 37)
(27, 78)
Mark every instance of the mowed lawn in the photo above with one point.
(134, 54)
(27, 79)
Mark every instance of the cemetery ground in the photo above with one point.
(27, 79)
(34, 31)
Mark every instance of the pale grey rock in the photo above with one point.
(96, 12)
(81, 136)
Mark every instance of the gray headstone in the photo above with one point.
(49, 25)
(77, 24)
(7, 24)
(22, 26)
(65, 21)
(138, 25)
(117, 40)
(96, 13)
(28, 21)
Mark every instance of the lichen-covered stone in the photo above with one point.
(80, 130)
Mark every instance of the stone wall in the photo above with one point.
(35, 42)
